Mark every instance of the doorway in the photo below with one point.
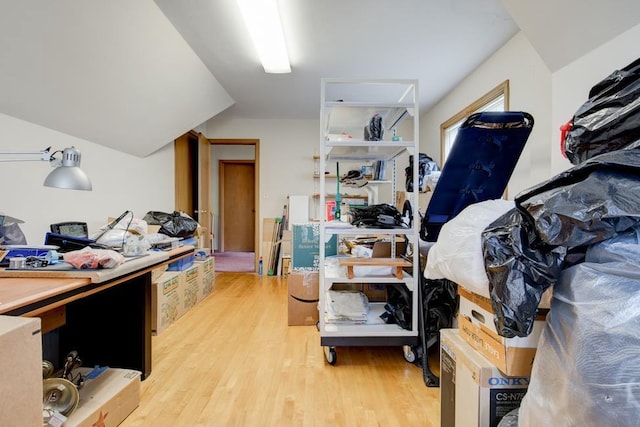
(192, 178)
(237, 209)
(236, 193)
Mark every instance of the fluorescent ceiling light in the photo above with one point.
(263, 22)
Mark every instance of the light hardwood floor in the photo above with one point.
(233, 361)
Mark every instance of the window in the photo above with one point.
(496, 99)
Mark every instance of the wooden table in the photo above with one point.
(105, 315)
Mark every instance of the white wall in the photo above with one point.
(120, 181)
(571, 84)
(530, 91)
(286, 156)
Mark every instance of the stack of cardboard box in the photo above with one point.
(487, 372)
(176, 292)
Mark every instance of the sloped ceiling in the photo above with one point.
(114, 72)
(437, 42)
(133, 75)
(563, 31)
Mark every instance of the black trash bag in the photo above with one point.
(426, 165)
(525, 249)
(610, 119)
(398, 306)
(377, 216)
(588, 203)
(520, 268)
(172, 224)
(440, 303)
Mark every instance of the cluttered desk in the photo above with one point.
(103, 313)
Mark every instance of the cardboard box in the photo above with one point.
(286, 266)
(157, 272)
(303, 298)
(306, 247)
(166, 301)
(191, 281)
(205, 273)
(375, 292)
(473, 392)
(513, 356)
(383, 249)
(107, 399)
(20, 371)
(423, 200)
(286, 245)
(208, 284)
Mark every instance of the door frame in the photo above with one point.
(192, 170)
(256, 202)
(221, 204)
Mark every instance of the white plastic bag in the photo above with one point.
(457, 254)
(89, 258)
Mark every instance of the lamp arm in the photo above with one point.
(45, 156)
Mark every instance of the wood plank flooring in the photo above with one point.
(233, 361)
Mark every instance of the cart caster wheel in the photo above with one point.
(330, 353)
(409, 354)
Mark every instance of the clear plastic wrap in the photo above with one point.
(89, 258)
(587, 370)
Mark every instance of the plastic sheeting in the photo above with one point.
(608, 121)
(457, 254)
(526, 248)
(587, 370)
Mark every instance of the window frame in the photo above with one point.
(501, 89)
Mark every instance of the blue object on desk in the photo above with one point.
(182, 264)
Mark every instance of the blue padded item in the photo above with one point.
(482, 159)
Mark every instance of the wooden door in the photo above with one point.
(192, 170)
(237, 205)
(204, 214)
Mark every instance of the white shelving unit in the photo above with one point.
(346, 108)
(369, 194)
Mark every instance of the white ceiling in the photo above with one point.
(133, 75)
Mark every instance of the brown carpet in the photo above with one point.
(235, 262)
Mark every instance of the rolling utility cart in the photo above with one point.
(371, 123)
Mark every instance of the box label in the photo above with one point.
(170, 285)
(503, 402)
(306, 246)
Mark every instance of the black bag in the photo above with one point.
(609, 120)
(374, 130)
(172, 224)
(398, 307)
(426, 165)
(377, 216)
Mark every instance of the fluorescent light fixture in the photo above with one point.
(67, 173)
(262, 19)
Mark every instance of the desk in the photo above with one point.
(103, 314)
